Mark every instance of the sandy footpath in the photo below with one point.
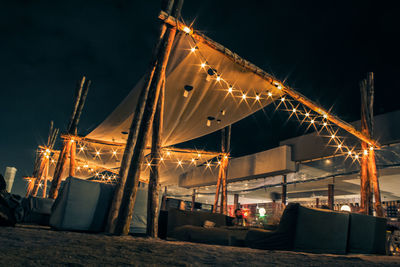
(40, 246)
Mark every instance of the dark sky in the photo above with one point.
(322, 48)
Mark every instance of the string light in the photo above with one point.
(203, 65)
(282, 99)
(218, 78)
(269, 94)
(333, 136)
(365, 152)
(187, 30)
(325, 124)
(371, 148)
(339, 146)
(307, 114)
(312, 121)
(230, 89)
(257, 97)
(243, 96)
(193, 49)
(294, 110)
(356, 156)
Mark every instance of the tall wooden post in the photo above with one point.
(331, 196)
(68, 146)
(284, 189)
(369, 173)
(225, 147)
(72, 160)
(218, 188)
(154, 183)
(130, 189)
(45, 176)
(193, 199)
(134, 128)
(372, 170)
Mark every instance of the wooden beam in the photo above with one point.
(72, 159)
(77, 97)
(264, 75)
(74, 125)
(130, 189)
(60, 168)
(114, 211)
(154, 181)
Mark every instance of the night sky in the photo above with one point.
(321, 48)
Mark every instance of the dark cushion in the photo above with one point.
(282, 238)
(367, 234)
(321, 231)
(38, 210)
(215, 235)
(178, 218)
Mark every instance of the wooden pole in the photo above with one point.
(225, 148)
(193, 199)
(129, 197)
(74, 125)
(72, 160)
(372, 170)
(261, 73)
(284, 189)
(154, 183)
(331, 196)
(77, 97)
(134, 129)
(218, 187)
(45, 176)
(60, 167)
(29, 189)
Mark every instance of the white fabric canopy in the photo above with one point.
(185, 118)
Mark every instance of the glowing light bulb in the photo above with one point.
(81, 148)
(312, 121)
(97, 153)
(294, 110)
(307, 114)
(187, 30)
(365, 152)
(48, 150)
(243, 96)
(52, 161)
(325, 124)
(230, 89)
(203, 65)
(257, 97)
(325, 116)
(180, 162)
(218, 78)
(199, 155)
(161, 159)
(339, 146)
(85, 166)
(371, 148)
(208, 164)
(148, 164)
(349, 153)
(333, 136)
(168, 153)
(219, 162)
(356, 156)
(193, 49)
(225, 157)
(193, 160)
(282, 99)
(72, 140)
(269, 94)
(114, 153)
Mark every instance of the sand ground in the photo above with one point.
(39, 246)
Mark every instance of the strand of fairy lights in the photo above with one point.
(304, 115)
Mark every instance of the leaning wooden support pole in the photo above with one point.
(365, 190)
(264, 75)
(224, 196)
(154, 183)
(373, 175)
(72, 159)
(31, 184)
(134, 129)
(77, 97)
(60, 168)
(45, 176)
(74, 125)
(129, 197)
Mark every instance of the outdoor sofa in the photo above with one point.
(300, 229)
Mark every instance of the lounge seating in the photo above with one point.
(322, 231)
(83, 206)
(189, 226)
(38, 210)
